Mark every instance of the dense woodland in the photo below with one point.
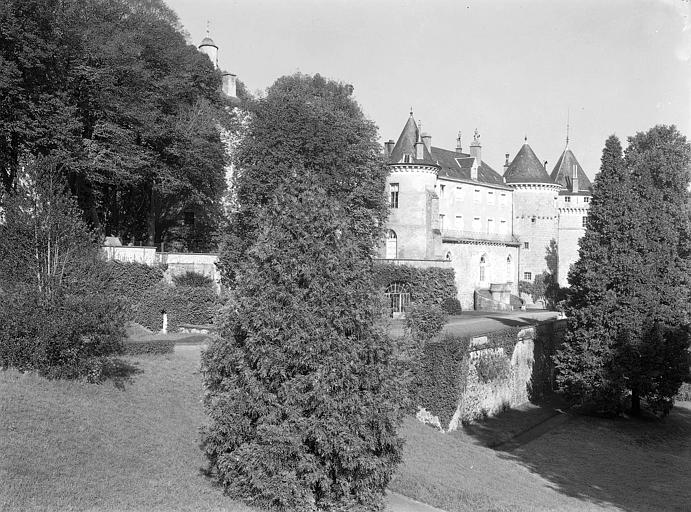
(111, 90)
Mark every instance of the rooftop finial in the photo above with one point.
(411, 111)
(525, 139)
(208, 28)
(568, 116)
(476, 137)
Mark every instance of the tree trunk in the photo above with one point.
(635, 403)
(151, 218)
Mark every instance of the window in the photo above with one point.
(459, 193)
(459, 222)
(509, 269)
(391, 244)
(483, 268)
(398, 295)
(406, 159)
(393, 202)
(448, 256)
(476, 196)
(527, 276)
(583, 221)
(441, 191)
(533, 220)
(490, 225)
(586, 199)
(503, 227)
(526, 245)
(502, 199)
(441, 221)
(567, 199)
(490, 197)
(477, 227)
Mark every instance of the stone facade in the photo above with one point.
(493, 229)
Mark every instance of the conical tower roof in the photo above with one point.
(406, 145)
(563, 173)
(526, 168)
(207, 41)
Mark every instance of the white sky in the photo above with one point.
(507, 68)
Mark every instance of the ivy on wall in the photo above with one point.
(442, 376)
(427, 285)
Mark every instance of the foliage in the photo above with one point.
(427, 285)
(193, 279)
(451, 306)
(113, 91)
(129, 280)
(182, 304)
(55, 315)
(630, 289)
(492, 366)
(537, 289)
(424, 321)
(302, 390)
(153, 346)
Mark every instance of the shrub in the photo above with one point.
(193, 279)
(452, 306)
(136, 348)
(492, 366)
(182, 304)
(130, 280)
(424, 321)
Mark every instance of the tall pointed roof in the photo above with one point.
(207, 41)
(563, 173)
(526, 168)
(406, 145)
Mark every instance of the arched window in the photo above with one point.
(509, 269)
(398, 295)
(448, 256)
(483, 268)
(391, 245)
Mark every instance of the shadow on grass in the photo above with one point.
(120, 372)
(637, 464)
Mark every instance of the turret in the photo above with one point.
(209, 48)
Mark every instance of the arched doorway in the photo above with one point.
(398, 295)
(391, 245)
(483, 268)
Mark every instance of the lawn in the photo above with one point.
(74, 446)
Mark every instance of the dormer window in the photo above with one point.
(406, 159)
(567, 199)
(586, 199)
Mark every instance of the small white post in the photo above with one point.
(165, 322)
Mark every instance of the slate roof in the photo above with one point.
(406, 146)
(207, 41)
(563, 172)
(457, 166)
(526, 168)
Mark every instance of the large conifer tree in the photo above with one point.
(301, 391)
(629, 301)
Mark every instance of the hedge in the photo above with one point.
(427, 285)
(442, 377)
(182, 304)
(131, 280)
(136, 348)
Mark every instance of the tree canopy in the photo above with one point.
(301, 389)
(630, 295)
(112, 90)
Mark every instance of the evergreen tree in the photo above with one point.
(301, 388)
(629, 298)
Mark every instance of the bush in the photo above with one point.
(182, 304)
(424, 321)
(136, 348)
(193, 279)
(130, 279)
(452, 306)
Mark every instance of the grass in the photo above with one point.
(74, 446)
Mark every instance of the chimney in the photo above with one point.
(459, 149)
(419, 150)
(545, 164)
(476, 148)
(230, 84)
(388, 147)
(506, 163)
(574, 179)
(473, 168)
(427, 140)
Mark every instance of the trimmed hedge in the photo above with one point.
(183, 305)
(442, 376)
(136, 348)
(131, 280)
(427, 285)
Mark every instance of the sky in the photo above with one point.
(510, 69)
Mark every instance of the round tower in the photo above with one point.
(535, 211)
(209, 48)
(413, 231)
